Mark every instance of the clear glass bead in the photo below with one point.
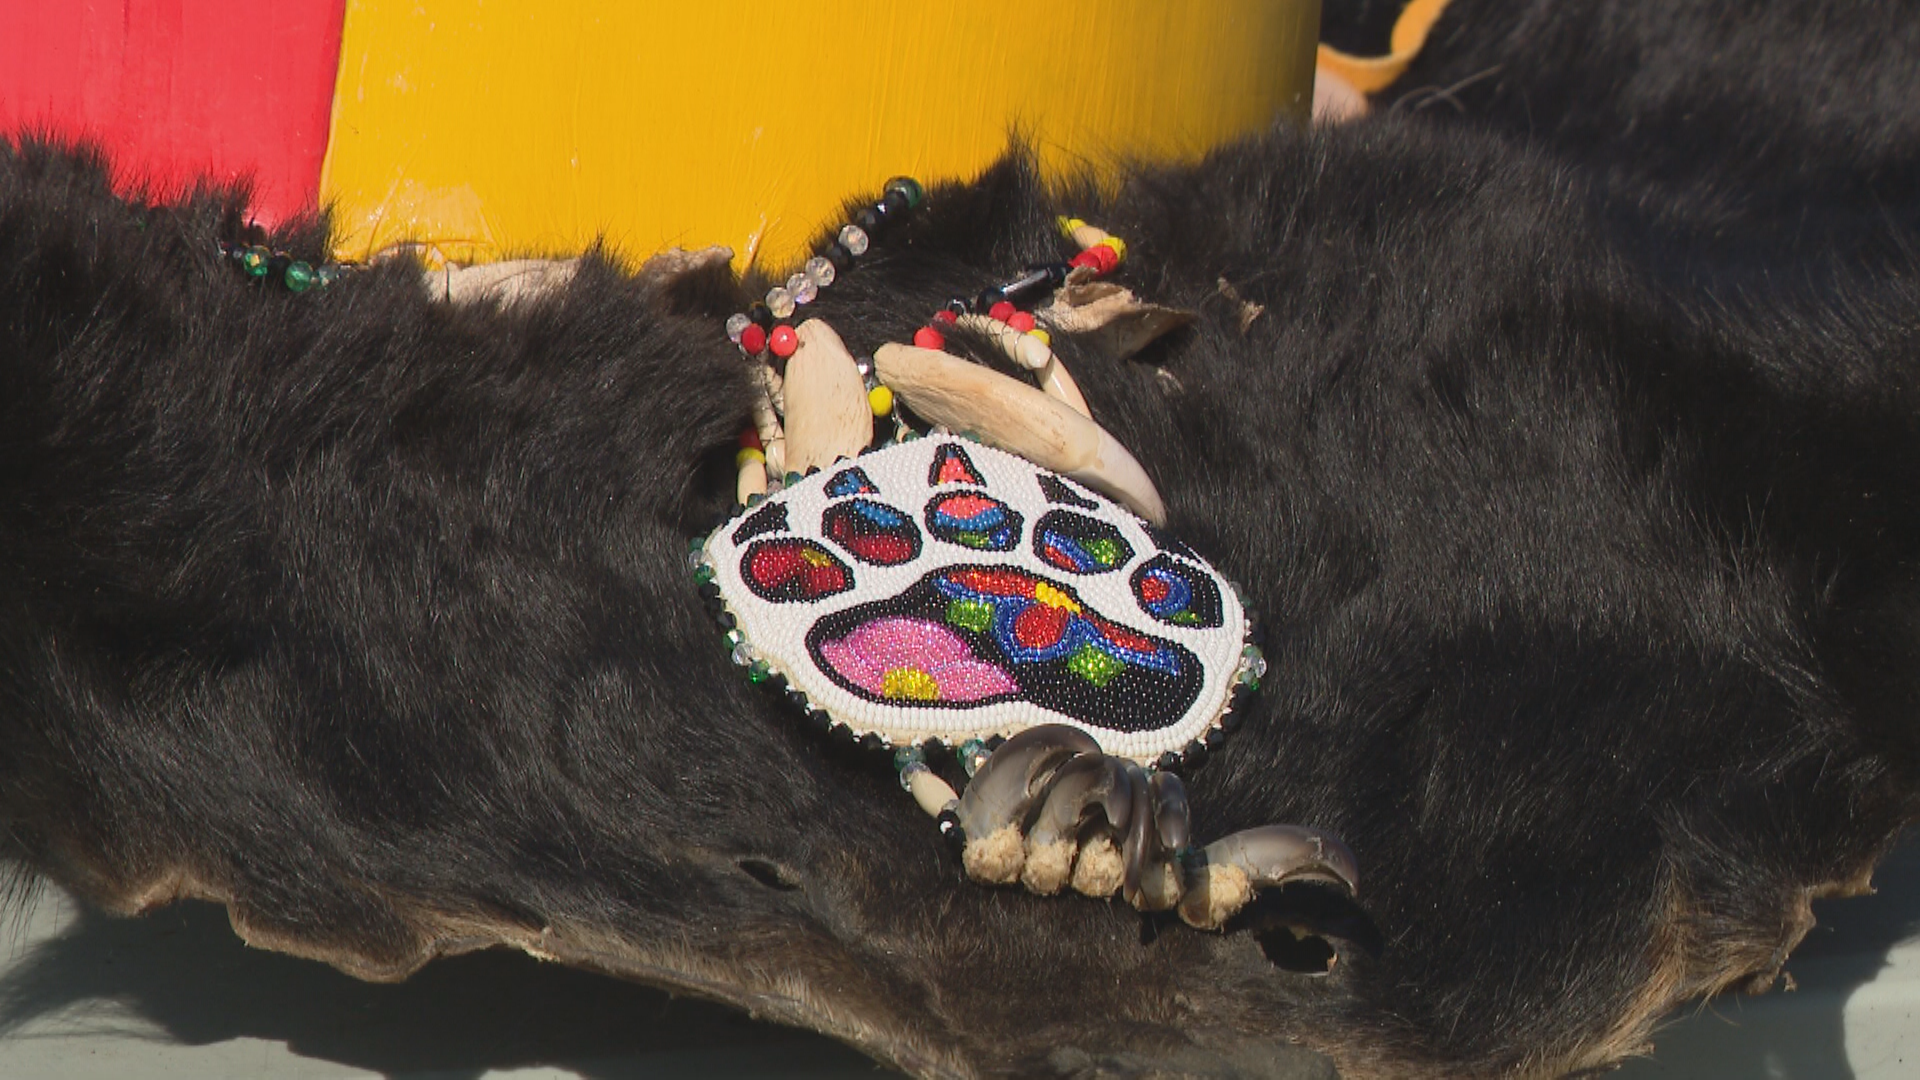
(802, 289)
(737, 325)
(780, 301)
(854, 239)
(907, 755)
(743, 654)
(912, 769)
(819, 271)
(973, 754)
(865, 364)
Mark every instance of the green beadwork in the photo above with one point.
(758, 672)
(908, 186)
(1094, 665)
(299, 277)
(254, 261)
(971, 615)
(703, 573)
(1103, 550)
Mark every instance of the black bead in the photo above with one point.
(996, 742)
(837, 254)
(1195, 753)
(277, 264)
(1213, 738)
(1230, 720)
(1256, 635)
(761, 315)
(988, 298)
(895, 204)
(872, 743)
(949, 825)
(818, 721)
(1168, 760)
(1033, 284)
(869, 221)
(958, 306)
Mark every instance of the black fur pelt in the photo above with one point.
(1571, 458)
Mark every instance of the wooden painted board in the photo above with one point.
(509, 127)
(179, 89)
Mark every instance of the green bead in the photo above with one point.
(299, 277)
(759, 672)
(907, 755)
(254, 261)
(703, 573)
(908, 186)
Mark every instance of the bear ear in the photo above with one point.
(1119, 323)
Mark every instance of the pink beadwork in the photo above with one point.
(909, 659)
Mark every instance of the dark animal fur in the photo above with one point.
(1571, 464)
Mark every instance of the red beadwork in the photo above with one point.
(1040, 626)
(1003, 311)
(783, 341)
(753, 339)
(928, 338)
(945, 316)
(1020, 321)
(1103, 259)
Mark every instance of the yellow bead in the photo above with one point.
(880, 400)
(1068, 224)
(746, 454)
(1118, 245)
(1042, 336)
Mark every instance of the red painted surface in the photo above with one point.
(178, 89)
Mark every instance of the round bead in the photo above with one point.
(743, 654)
(1041, 336)
(802, 289)
(1021, 321)
(780, 302)
(760, 315)
(869, 221)
(973, 753)
(947, 317)
(880, 400)
(1001, 311)
(753, 340)
(909, 771)
(854, 239)
(759, 672)
(928, 338)
(864, 365)
(277, 265)
(255, 261)
(837, 254)
(893, 205)
(908, 755)
(326, 275)
(909, 187)
(820, 271)
(736, 325)
(1118, 245)
(783, 341)
(299, 277)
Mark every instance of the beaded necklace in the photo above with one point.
(913, 592)
(267, 265)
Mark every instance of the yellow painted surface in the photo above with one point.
(488, 128)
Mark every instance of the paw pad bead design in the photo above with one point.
(941, 589)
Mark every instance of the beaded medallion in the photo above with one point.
(942, 589)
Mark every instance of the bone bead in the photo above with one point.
(828, 416)
(752, 480)
(950, 392)
(932, 793)
(1023, 349)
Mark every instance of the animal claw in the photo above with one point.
(998, 799)
(1084, 785)
(1227, 873)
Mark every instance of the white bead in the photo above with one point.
(737, 325)
(820, 271)
(802, 288)
(854, 239)
(781, 301)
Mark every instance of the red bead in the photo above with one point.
(1002, 311)
(928, 338)
(1020, 321)
(1102, 258)
(750, 439)
(947, 317)
(753, 339)
(783, 341)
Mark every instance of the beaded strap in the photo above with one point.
(266, 265)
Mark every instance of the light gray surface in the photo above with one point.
(177, 995)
